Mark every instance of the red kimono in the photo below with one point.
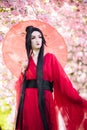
(64, 99)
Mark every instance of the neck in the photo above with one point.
(35, 53)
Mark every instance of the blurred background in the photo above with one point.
(69, 18)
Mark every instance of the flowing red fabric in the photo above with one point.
(65, 99)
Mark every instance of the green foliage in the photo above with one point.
(5, 110)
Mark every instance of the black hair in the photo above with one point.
(39, 71)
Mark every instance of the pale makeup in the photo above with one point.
(36, 40)
(36, 43)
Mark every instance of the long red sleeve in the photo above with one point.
(70, 103)
(18, 88)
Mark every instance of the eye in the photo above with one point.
(33, 37)
(40, 36)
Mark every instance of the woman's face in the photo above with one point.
(36, 40)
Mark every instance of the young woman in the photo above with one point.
(44, 90)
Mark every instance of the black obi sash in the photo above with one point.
(47, 85)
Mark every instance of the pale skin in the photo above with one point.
(36, 43)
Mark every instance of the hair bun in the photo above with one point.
(29, 28)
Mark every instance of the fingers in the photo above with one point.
(24, 66)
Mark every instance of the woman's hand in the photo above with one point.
(24, 66)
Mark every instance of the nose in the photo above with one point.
(37, 39)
